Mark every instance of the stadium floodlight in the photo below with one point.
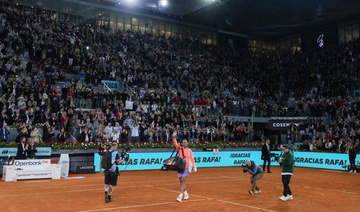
(131, 1)
(163, 3)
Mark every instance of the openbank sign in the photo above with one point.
(28, 163)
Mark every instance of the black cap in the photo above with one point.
(285, 146)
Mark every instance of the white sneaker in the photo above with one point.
(257, 192)
(186, 195)
(351, 171)
(179, 198)
(289, 197)
(283, 198)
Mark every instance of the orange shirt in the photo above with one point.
(187, 153)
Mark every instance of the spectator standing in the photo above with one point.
(135, 132)
(352, 159)
(4, 133)
(62, 136)
(265, 154)
(21, 149)
(31, 149)
(35, 136)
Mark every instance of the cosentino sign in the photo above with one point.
(283, 124)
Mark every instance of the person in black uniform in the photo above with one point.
(112, 173)
(265, 155)
(21, 149)
(352, 157)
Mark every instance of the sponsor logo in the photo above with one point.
(240, 155)
(27, 163)
(42, 151)
(282, 124)
(320, 40)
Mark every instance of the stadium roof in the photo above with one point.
(261, 18)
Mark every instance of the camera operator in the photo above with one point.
(256, 174)
(111, 174)
(265, 155)
(287, 169)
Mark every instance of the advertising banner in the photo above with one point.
(356, 94)
(32, 169)
(65, 164)
(112, 85)
(154, 160)
(31, 165)
(283, 124)
(42, 151)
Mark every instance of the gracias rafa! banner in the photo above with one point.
(154, 160)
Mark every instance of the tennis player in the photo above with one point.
(111, 175)
(186, 154)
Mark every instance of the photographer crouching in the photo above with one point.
(111, 171)
(256, 174)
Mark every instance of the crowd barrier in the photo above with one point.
(154, 160)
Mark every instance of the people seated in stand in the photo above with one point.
(224, 85)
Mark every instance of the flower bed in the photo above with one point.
(95, 145)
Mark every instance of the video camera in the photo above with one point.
(104, 147)
(245, 168)
(124, 153)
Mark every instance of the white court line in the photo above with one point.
(145, 205)
(209, 198)
(306, 187)
(190, 182)
(197, 182)
(173, 191)
(334, 171)
(154, 181)
(37, 181)
(56, 192)
(127, 183)
(317, 188)
(248, 206)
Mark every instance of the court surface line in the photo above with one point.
(135, 186)
(336, 171)
(56, 192)
(37, 181)
(197, 182)
(174, 191)
(219, 200)
(144, 205)
(311, 187)
(127, 183)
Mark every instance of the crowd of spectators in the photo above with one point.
(168, 84)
